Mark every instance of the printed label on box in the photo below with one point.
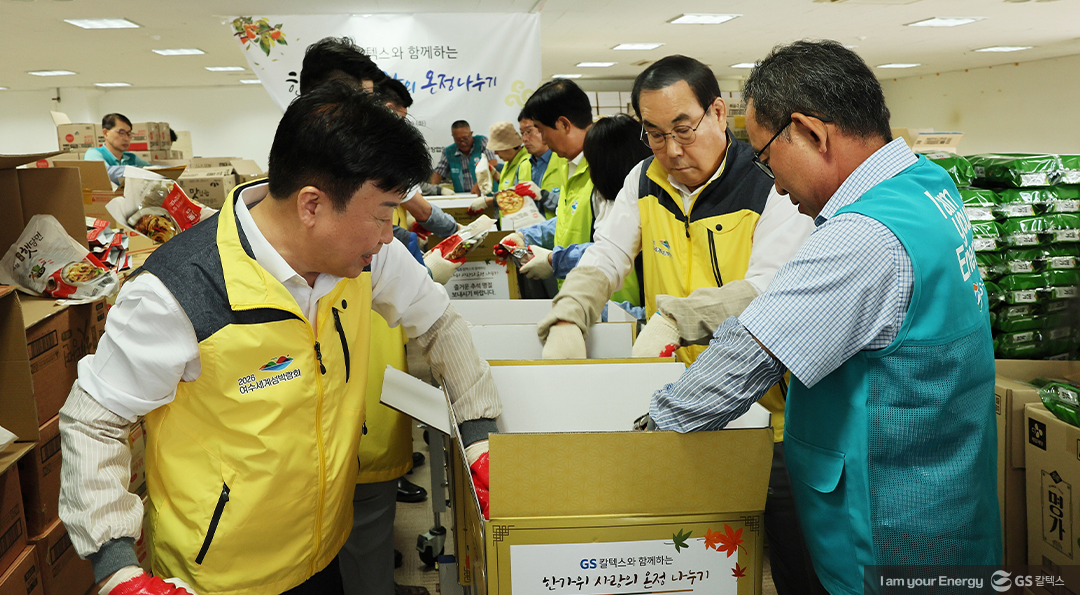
(1057, 512)
(479, 280)
(686, 564)
(1037, 433)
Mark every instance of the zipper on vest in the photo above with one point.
(344, 343)
(686, 226)
(318, 356)
(222, 499)
(712, 260)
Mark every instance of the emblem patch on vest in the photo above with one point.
(662, 247)
(250, 383)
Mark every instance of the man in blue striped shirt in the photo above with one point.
(881, 318)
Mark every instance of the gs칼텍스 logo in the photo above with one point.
(275, 365)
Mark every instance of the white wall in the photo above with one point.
(224, 121)
(1029, 107)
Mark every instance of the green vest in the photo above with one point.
(554, 180)
(508, 178)
(455, 164)
(893, 456)
(575, 225)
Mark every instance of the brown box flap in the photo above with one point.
(13, 161)
(95, 177)
(18, 411)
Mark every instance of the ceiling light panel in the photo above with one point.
(703, 19)
(251, 81)
(946, 22)
(637, 46)
(595, 64)
(898, 65)
(112, 84)
(51, 72)
(102, 23)
(180, 52)
(225, 68)
(743, 65)
(1005, 48)
(566, 76)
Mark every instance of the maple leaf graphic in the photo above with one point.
(712, 538)
(738, 571)
(680, 539)
(729, 541)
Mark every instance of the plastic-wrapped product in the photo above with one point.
(958, 168)
(986, 236)
(1062, 398)
(1070, 169)
(1064, 227)
(1016, 170)
(995, 294)
(46, 261)
(1030, 322)
(1021, 345)
(1066, 199)
(1063, 256)
(1024, 202)
(1023, 288)
(991, 265)
(1064, 284)
(1024, 260)
(979, 203)
(1027, 231)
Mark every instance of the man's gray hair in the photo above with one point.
(818, 78)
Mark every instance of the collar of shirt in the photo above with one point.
(686, 194)
(544, 158)
(307, 297)
(885, 163)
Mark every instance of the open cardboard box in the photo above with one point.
(1052, 458)
(575, 497)
(606, 340)
(1012, 393)
(520, 311)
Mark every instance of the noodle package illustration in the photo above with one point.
(46, 261)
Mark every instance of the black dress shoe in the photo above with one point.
(417, 459)
(408, 491)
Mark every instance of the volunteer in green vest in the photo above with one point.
(544, 168)
(244, 342)
(883, 321)
(561, 112)
(711, 233)
(459, 160)
(506, 144)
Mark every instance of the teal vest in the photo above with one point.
(893, 456)
(455, 163)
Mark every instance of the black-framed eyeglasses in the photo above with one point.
(684, 135)
(757, 154)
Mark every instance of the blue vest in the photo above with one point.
(893, 456)
(479, 142)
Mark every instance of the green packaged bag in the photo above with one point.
(1056, 306)
(1024, 202)
(958, 168)
(979, 203)
(1020, 323)
(1065, 227)
(1023, 288)
(1063, 256)
(991, 265)
(994, 293)
(1064, 284)
(1066, 200)
(1070, 169)
(1024, 260)
(1016, 170)
(1027, 231)
(986, 236)
(1062, 398)
(1029, 350)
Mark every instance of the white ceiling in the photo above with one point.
(36, 38)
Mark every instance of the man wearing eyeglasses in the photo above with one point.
(711, 233)
(883, 323)
(114, 153)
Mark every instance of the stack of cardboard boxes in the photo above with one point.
(210, 179)
(150, 141)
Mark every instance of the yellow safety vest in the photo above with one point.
(709, 246)
(508, 177)
(251, 469)
(555, 176)
(575, 226)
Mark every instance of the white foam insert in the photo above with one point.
(519, 311)
(607, 340)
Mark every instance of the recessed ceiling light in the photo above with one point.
(637, 46)
(251, 81)
(703, 19)
(112, 84)
(180, 52)
(595, 64)
(898, 65)
(945, 22)
(102, 23)
(225, 68)
(1005, 48)
(3, 89)
(851, 47)
(743, 65)
(51, 72)
(566, 76)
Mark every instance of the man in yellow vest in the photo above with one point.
(712, 232)
(244, 342)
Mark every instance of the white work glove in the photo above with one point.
(659, 338)
(446, 191)
(540, 265)
(479, 205)
(441, 269)
(131, 580)
(564, 341)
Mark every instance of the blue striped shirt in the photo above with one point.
(845, 291)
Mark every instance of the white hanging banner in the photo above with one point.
(458, 66)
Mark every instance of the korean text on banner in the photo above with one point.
(477, 67)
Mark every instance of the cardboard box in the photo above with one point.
(1012, 394)
(146, 156)
(26, 192)
(39, 475)
(100, 133)
(18, 413)
(57, 337)
(458, 208)
(926, 140)
(606, 340)
(571, 497)
(62, 571)
(1053, 495)
(141, 135)
(520, 311)
(24, 576)
(209, 186)
(13, 538)
(483, 280)
(76, 136)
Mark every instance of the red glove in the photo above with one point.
(477, 453)
(144, 584)
(529, 189)
(420, 232)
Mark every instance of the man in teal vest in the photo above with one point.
(459, 159)
(883, 321)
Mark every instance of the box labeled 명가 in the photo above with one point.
(23, 577)
(39, 474)
(1053, 494)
